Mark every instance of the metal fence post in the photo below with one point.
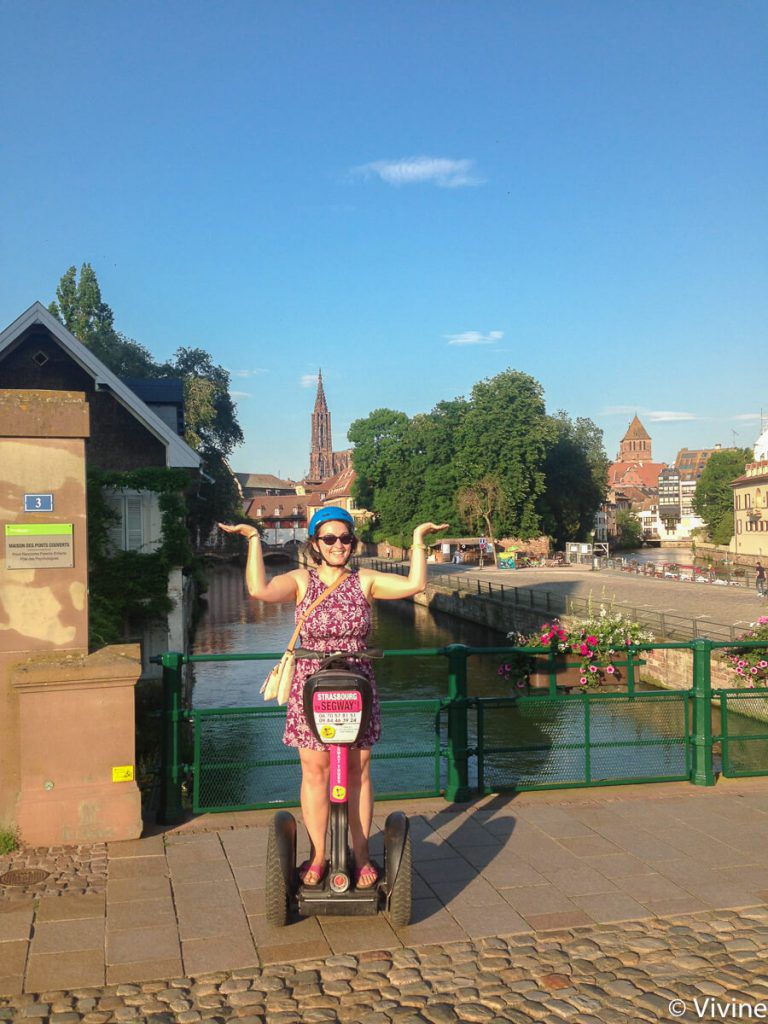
(457, 782)
(171, 810)
(703, 772)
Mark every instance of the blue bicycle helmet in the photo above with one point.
(330, 514)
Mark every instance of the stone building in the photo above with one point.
(750, 506)
(324, 462)
(634, 465)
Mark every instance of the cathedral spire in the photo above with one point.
(321, 453)
(320, 398)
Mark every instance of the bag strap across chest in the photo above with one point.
(318, 600)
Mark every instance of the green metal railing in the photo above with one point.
(461, 745)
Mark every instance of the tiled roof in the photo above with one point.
(646, 474)
(340, 486)
(263, 480)
(271, 502)
(636, 431)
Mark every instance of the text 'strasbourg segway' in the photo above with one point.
(337, 706)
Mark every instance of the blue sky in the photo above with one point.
(412, 195)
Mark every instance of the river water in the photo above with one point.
(656, 556)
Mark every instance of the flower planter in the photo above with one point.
(569, 677)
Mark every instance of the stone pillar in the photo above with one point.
(76, 733)
(44, 612)
(42, 451)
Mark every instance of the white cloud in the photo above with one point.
(257, 372)
(663, 416)
(751, 416)
(309, 380)
(418, 170)
(241, 394)
(475, 338)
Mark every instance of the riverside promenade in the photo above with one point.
(705, 602)
(602, 905)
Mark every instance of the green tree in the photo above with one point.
(575, 470)
(713, 500)
(481, 504)
(629, 529)
(381, 462)
(506, 433)
(81, 309)
(209, 412)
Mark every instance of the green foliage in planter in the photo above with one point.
(128, 590)
(9, 839)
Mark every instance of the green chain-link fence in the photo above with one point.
(461, 746)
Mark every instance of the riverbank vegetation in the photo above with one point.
(494, 463)
(713, 500)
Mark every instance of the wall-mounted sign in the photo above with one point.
(38, 503)
(39, 546)
(123, 773)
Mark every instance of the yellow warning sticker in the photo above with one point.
(327, 732)
(123, 774)
(339, 792)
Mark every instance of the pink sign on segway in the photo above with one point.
(337, 714)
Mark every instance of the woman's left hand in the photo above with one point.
(423, 529)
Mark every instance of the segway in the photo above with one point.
(337, 704)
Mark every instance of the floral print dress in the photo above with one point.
(340, 623)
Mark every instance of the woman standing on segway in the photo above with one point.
(340, 623)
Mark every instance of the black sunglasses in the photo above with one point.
(330, 539)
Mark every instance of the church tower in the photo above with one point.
(321, 454)
(636, 445)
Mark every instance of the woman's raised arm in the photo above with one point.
(386, 586)
(280, 589)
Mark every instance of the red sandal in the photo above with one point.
(317, 870)
(368, 873)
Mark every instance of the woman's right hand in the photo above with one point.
(244, 529)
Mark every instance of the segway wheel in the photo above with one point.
(280, 868)
(401, 896)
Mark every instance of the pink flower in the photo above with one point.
(753, 670)
(739, 671)
(610, 670)
(520, 683)
(592, 641)
(545, 639)
(742, 664)
(583, 650)
(583, 680)
(763, 620)
(762, 664)
(750, 685)
(593, 668)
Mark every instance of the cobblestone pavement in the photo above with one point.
(587, 905)
(706, 965)
(75, 870)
